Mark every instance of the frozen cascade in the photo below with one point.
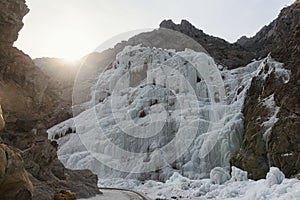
(157, 112)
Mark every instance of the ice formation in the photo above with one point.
(274, 176)
(218, 175)
(238, 174)
(155, 112)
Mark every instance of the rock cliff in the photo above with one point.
(280, 147)
(29, 166)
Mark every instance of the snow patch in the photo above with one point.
(178, 187)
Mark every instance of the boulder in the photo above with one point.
(14, 180)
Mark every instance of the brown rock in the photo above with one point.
(281, 38)
(14, 181)
(46, 172)
(27, 96)
(64, 195)
(11, 15)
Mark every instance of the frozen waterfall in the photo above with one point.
(155, 112)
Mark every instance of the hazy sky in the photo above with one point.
(72, 28)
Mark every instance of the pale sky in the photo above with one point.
(73, 28)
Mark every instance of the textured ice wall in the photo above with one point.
(155, 112)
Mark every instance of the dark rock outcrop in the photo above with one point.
(30, 103)
(259, 111)
(281, 38)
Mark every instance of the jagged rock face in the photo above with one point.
(277, 36)
(226, 54)
(28, 162)
(285, 137)
(260, 112)
(11, 15)
(27, 98)
(281, 146)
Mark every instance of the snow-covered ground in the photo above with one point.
(275, 186)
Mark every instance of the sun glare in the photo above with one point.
(71, 59)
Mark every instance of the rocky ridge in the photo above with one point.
(226, 54)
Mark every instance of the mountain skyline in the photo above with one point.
(74, 29)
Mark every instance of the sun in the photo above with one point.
(71, 60)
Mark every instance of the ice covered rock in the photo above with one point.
(219, 175)
(261, 114)
(274, 176)
(238, 174)
(283, 46)
(62, 130)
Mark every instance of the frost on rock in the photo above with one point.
(218, 175)
(153, 102)
(274, 176)
(238, 174)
